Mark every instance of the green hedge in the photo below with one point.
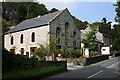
(12, 62)
(33, 74)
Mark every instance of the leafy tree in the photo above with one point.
(50, 49)
(104, 20)
(116, 37)
(42, 51)
(115, 33)
(64, 51)
(15, 12)
(90, 40)
(79, 23)
(53, 10)
(117, 18)
(104, 26)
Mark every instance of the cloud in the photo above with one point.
(59, 5)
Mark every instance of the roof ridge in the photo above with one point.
(42, 15)
(54, 12)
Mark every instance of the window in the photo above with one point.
(74, 39)
(33, 37)
(11, 40)
(66, 33)
(21, 38)
(22, 51)
(58, 35)
(74, 43)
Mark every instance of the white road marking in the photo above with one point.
(110, 66)
(117, 62)
(95, 74)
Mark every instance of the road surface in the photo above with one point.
(105, 69)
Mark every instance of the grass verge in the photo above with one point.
(33, 74)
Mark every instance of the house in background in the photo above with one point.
(102, 40)
(25, 37)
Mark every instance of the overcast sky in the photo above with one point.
(85, 10)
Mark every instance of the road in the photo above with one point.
(104, 69)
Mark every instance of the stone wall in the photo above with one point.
(60, 21)
(84, 61)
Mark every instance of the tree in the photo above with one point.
(90, 40)
(16, 12)
(104, 20)
(79, 23)
(48, 49)
(116, 37)
(115, 33)
(53, 10)
(41, 52)
(117, 9)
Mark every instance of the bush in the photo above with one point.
(75, 53)
(64, 51)
(32, 74)
(12, 62)
(92, 53)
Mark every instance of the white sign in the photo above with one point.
(105, 50)
(86, 52)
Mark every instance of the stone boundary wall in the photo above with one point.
(83, 61)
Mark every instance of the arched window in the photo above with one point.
(74, 39)
(66, 33)
(58, 32)
(58, 35)
(21, 38)
(11, 40)
(33, 37)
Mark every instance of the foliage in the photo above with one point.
(90, 40)
(70, 53)
(15, 12)
(18, 11)
(6, 25)
(116, 44)
(92, 53)
(75, 53)
(116, 37)
(53, 44)
(42, 51)
(53, 10)
(64, 51)
(12, 62)
(32, 73)
(79, 23)
(117, 18)
(115, 32)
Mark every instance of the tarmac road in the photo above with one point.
(108, 69)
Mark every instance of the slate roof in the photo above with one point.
(35, 22)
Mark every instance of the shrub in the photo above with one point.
(12, 62)
(92, 53)
(75, 53)
(64, 51)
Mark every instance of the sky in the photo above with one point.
(91, 11)
(85, 10)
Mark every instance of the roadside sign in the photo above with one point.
(105, 50)
(86, 53)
